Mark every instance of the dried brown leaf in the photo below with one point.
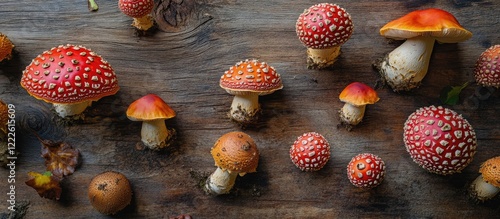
(60, 158)
(45, 184)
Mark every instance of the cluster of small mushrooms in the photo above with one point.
(438, 139)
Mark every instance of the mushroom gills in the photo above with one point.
(406, 66)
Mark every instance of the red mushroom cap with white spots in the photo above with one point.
(136, 8)
(487, 71)
(324, 25)
(439, 140)
(69, 74)
(251, 76)
(310, 152)
(366, 170)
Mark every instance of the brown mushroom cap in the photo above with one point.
(149, 107)
(251, 76)
(487, 70)
(490, 170)
(110, 192)
(236, 152)
(6, 47)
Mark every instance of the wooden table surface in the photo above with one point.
(183, 66)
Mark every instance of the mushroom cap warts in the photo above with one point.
(69, 74)
(149, 107)
(236, 152)
(6, 47)
(432, 22)
(251, 76)
(490, 171)
(487, 71)
(110, 192)
(439, 140)
(366, 170)
(324, 25)
(310, 152)
(358, 94)
(136, 8)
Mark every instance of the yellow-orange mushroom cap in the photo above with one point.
(358, 94)
(236, 152)
(490, 170)
(149, 107)
(433, 22)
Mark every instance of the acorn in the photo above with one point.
(110, 192)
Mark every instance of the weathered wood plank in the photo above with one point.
(184, 67)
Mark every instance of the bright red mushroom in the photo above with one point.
(70, 77)
(439, 140)
(487, 71)
(366, 170)
(140, 10)
(310, 152)
(323, 28)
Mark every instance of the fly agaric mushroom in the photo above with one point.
(405, 67)
(487, 185)
(153, 111)
(487, 71)
(247, 81)
(323, 28)
(109, 192)
(356, 96)
(6, 47)
(439, 140)
(310, 152)
(366, 170)
(70, 77)
(234, 153)
(140, 11)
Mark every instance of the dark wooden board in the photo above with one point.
(183, 67)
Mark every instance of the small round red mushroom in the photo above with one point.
(487, 71)
(439, 140)
(247, 80)
(310, 152)
(70, 77)
(153, 111)
(356, 96)
(323, 28)
(140, 10)
(366, 170)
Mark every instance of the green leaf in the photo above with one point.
(451, 94)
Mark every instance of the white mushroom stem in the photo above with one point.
(352, 114)
(64, 110)
(154, 134)
(244, 106)
(406, 66)
(482, 190)
(220, 182)
(323, 57)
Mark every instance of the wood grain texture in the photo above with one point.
(183, 67)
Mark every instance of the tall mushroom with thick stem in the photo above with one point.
(70, 77)
(404, 68)
(487, 185)
(234, 153)
(356, 96)
(323, 28)
(140, 11)
(153, 111)
(247, 80)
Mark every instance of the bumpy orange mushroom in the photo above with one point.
(487, 185)
(234, 153)
(6, 47)
(110, 192)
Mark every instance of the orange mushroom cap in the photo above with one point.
(6, 47)
(236, 152)
(4, 116)
(432, 22)
(149, 107)
(358, 94)
(490, 171)
(251, 76)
